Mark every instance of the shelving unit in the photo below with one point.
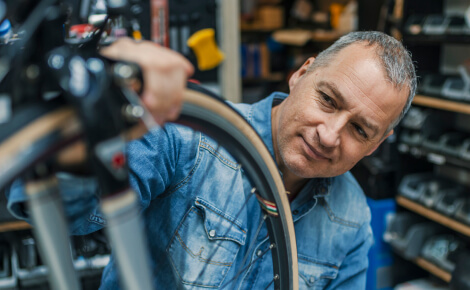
(438, 159)
(262, 61)
(288, 39)
(445, 105)
(441, 104)
(300, 37)
(430, 267)
(441, 219)
(433, 269)
(273, 77)
(433, 157)
(433, 215)
(437, 39)
(245, 28)
(14, 226)
(434, 54)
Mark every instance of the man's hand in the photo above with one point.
(165, 74)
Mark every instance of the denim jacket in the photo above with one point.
(195, 198)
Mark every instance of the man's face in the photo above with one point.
(335, 115)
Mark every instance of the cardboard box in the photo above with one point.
(270, 17)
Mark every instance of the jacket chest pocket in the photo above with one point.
(314, 275)
(205, 246)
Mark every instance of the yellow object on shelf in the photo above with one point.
(137, 35)
(335, 10)
(207, 53)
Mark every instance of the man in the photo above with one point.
(341, 107)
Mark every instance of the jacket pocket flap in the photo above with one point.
(220, 226)
(312, 272)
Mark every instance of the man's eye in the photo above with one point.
(360, 131)
(329, 101)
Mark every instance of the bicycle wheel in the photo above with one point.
(202, 112)
(34, 133)
(215, 118)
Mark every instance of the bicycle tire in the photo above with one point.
(211, 116)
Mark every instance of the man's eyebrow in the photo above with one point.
(369, 125)
(334, 89)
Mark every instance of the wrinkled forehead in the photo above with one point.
(359, 76)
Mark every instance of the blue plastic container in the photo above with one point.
(379, 273)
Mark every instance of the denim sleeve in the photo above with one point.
(160, 160)
(80, 200)
(152, 164)
(352, 272)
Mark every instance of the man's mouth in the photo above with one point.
(313, 152)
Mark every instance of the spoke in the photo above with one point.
(269, 284)
(263, 218)
(246, 267)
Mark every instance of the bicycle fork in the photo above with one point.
(121, 210)
(106, 153)
(50, 229)
(124, 230)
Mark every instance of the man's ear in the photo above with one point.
(300, 72)
(377, 146)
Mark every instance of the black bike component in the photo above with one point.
(117, 8)
(23, 60)
(88, 86)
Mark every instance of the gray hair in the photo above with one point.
(394, 57)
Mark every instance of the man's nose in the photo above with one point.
(329, 133)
